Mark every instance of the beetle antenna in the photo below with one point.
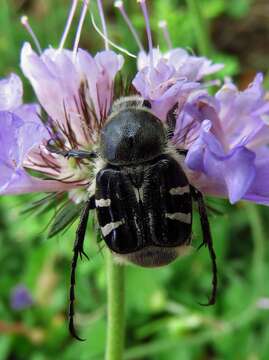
(78, 251)
(207, 241)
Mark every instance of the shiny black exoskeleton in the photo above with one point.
(142, 197)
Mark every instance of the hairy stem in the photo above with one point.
(116, 313)
(200, 27)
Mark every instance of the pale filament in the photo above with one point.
(102, 17)
(146, 16)
(119, 5)
(125, 51)
(80, 26)
(69, 23)
(163, 26)
(27, 26)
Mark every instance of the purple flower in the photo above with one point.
(10, 93)
(162, 87)
(191, 67)
(76, 95)
(225, 135)
(62, 83)
(170, 78)
(21, 298)
(231, 150)
(21, 130)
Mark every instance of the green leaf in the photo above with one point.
(65, 217)
(42, 205)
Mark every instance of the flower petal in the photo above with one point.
(162, 88)
(17, 138)
(241, 114)
(98, 75)
(259, 189)
(10, 93)
(20, 182)
(193, 68)
(109, 62)
(236, 170)
(143, 59)
(54, 80)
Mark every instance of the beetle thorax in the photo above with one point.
(132, 136)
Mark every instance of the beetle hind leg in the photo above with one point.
(207, 241)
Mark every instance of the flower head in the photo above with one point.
(231, 149)
(225, 136)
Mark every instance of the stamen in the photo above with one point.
(80, 25)
(102, 17)
(109, 41)
(119, 4)
(146, 16)
(27, 26)
(163, 26)
(69, 23)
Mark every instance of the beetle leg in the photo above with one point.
(78, 251)
(77, 154)
(207, 241)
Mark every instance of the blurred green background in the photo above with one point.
(164, 319)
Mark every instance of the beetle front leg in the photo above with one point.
(77, 154)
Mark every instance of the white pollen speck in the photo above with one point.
(185, 218)
(103, 203)
(106, 230)
(180, 190)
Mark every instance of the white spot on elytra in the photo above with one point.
(139, 193)
(106, 230)
(103, 203)
(180, 190)
(185, 218)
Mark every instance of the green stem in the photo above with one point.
(200, 27)
(116, 319)
(259, 241)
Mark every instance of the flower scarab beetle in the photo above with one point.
(137, 160)
(142, 196)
